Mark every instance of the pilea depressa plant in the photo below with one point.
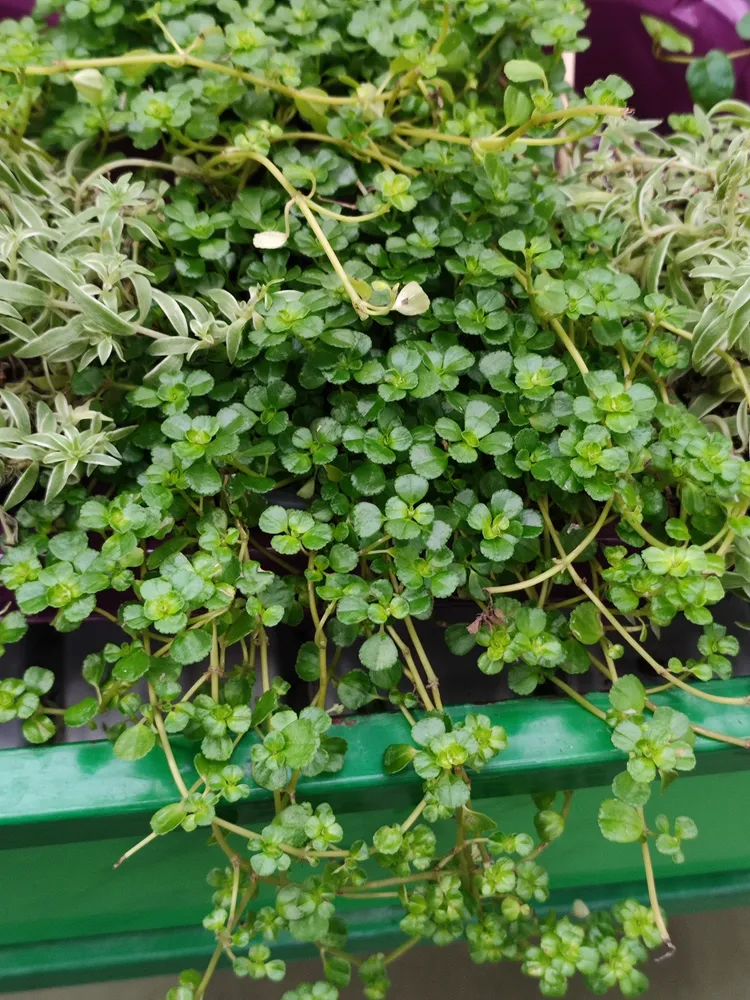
(326, 316)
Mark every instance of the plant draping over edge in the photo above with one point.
(378, 297)
(710, 78)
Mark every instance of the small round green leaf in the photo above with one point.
(378, 652)
(191, 646)
(82, 713)
(619, 822)
(711, 78)
(38, 729)
(523, 71)
(134, 742)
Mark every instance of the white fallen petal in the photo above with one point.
(269, 240)
(412, 300)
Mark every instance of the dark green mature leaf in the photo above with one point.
(586, 624)
(356, 689)
(378, 652)
(307, 666)
(711, 78)
(265, 705)
(517, 105)
(191, 647)
(132, 667)
(203, 478)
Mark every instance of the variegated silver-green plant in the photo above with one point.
(68, 441)
(683, 199)
(75, 294)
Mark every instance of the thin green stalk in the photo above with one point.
(177, 59)
(407, 715)
(611, 668)
(165, 744)
(411, 668)
(738, 372)
(583, 702)
(629, 376)
(716, 538)
(106, 614)
(359, 304)
(460, 848)
(432, 682)
(736, 369)
(214, 663)
(413, 816)
(643, 532)
(556, 325)
(651, 884)
(561, 565)
(235, 890)
(546, 584)
(210, 969)
(374, 545)
(355, 894)
(195, 687)
(373, 151)
(497, 143)
(321, 642)
(273, 556)
(384, 883)
(401, 950)
(134, 850)
(264, 672)
(353, 219)
(569, 345)
(296, 852)
(662, 671)
(354, 959)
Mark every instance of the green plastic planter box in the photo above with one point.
(68, 812)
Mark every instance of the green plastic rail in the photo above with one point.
(68, 812)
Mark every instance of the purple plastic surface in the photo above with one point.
(620, 44)
(15, 8)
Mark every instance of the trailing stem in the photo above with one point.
(652, 894)
(662, 671)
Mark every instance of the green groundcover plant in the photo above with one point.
(305, 325)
